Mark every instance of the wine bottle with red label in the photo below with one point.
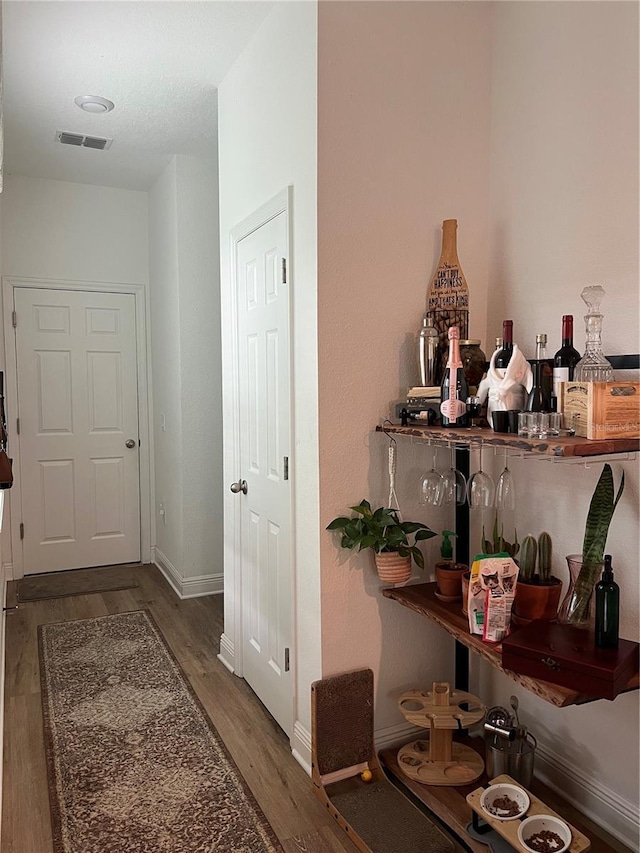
(565, 360)
(454, 389)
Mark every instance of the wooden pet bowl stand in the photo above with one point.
(440, 761)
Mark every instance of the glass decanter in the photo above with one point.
(593, 366)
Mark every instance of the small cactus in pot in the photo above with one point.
(537, 593)
(545, 550)
(528, 557)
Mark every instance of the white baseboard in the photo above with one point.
(605, 807)
(301, 746)
(187, 587)
(394, 735)
(227, 654)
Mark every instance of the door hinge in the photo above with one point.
(14, 319)
(286, 660)
(22, 530)
(284, 270)
(286, 467)
(17, 426)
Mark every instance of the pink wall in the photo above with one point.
(403, 143)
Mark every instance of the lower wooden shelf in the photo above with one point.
(450, 806)
(421, 599)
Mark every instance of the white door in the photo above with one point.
(264, 396)
(78, 411)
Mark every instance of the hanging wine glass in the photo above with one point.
(431, 486)
(505, 488)
(481, 488)
(454, 484)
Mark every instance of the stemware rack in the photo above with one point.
(555, 448)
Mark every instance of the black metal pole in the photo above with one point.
(463, 553)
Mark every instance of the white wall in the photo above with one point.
(268, 129)
(564, 214)
(200, 366)
(404, 112)
(74, 232)
(185, 333)
(70, 232)
(165, 348)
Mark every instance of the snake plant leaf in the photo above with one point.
(599, 517)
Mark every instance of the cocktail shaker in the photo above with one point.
(428, 353)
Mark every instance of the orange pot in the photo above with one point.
(449, 578)
(536, 601)
(392, 568)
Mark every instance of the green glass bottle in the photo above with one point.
(607, 608)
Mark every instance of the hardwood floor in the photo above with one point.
(192, 628)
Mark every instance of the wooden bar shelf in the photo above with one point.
(559, 448)
(421, 599)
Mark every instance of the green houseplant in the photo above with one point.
(392, 541)
(585, 568)
(498, 544)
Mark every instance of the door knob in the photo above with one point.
(240, 486)
(130, 442)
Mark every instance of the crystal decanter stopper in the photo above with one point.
(593, 366)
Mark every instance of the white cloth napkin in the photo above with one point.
(506, 388)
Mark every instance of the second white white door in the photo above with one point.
(78, 410)
(264, 394)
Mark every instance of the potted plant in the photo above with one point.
(498, 544)
(585, 568)
(392, 541)
(537, 593)
(448, 572)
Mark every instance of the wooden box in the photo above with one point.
(602, 409)
(567, 656)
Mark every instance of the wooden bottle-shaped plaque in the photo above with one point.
(448, 294)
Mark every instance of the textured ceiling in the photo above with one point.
(160, 62)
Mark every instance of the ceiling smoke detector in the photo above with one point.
(80, 140)
(94, 104)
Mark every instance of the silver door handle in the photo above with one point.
(130, 443)
(240, 486)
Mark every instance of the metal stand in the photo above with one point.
(461, 677)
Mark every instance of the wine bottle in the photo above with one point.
(454, 393)
(448, 294)
(503, 357)
(566, 358)
(539, 399)
(607, 608)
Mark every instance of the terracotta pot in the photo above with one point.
(536, 601)
(392, 568)
(449, 578)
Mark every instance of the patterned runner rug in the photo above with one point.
(134, 762)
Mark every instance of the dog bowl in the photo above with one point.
(546, 828)
(505, 801)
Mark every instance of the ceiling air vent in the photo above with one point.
(81, 141)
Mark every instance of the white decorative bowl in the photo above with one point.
(497, 792)
(544, 823)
